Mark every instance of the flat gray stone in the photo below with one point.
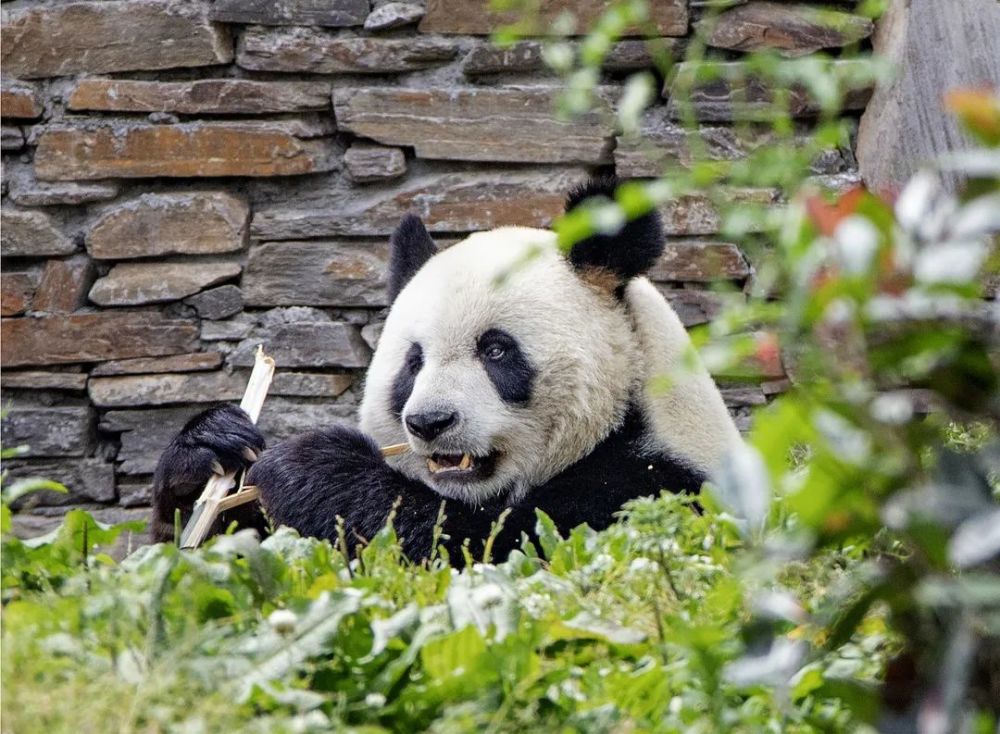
(515, 124)
(41, 380)
(200, 97)
(307, 344)
(11, 138)
(316, 273)
(394, 15)
(721, 91)
(29, 233)
(64, 39)
(468, 201)
(217, 303)
(664, 143)
(88, 480)
(194, 362)
(58, 431)
(334, 13)
(166, 389)
(366, 163)
(310, 385)
(791, 29)
(26, 190)
(130, 284)
(315, 51)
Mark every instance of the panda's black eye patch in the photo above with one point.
(402, 386)
(506, 365)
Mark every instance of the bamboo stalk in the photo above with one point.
(249, 492)
(207, 508)
(395, 449)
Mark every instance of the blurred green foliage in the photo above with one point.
(841, 574)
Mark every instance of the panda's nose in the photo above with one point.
(430, 425)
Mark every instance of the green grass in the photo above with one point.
(631, 629)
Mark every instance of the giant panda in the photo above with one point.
(521, 377)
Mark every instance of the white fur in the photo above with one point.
(590, 351)
(680, 401)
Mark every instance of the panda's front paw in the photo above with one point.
(220, 440)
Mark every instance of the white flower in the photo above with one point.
(856, 243)
(374, 700)
(283, 621)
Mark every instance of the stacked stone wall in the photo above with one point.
(186, 179)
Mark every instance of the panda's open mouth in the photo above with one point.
(461, 466)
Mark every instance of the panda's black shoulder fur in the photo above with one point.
(309, 481)
(630, 251)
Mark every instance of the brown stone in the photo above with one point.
(28, 233)
(320, 52)
(138, 150)
(64, 285)
(934, 52)
(527, 56)
(307, 344)
(68, 381)
(194, 362)
(93, 337)
(66, 39)
(17, 289)
(517, 124)
(333, 273)
(334, 13)
(451, 202)
(165, 389)
(663, 143)
(366, 163)
(308, 384)
(217, 303)
(62, 431)
(203, 96)
(86, 479)
(196, 223)
(19, 101)
(700, 262)
(11, 138)
(791, 29)
(667, 17)
(697, 213)
(132, 284)
(723, 91)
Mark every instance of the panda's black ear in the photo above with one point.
(410, 247)
(630, 251)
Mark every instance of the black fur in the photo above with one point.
(402, 386)
(218, 434)
(630, 251)
(511, 373)
(308, 481)
(410, 247)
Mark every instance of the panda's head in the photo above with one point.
(503, 360)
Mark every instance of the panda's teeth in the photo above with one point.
(433, 466)
(466, 462)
